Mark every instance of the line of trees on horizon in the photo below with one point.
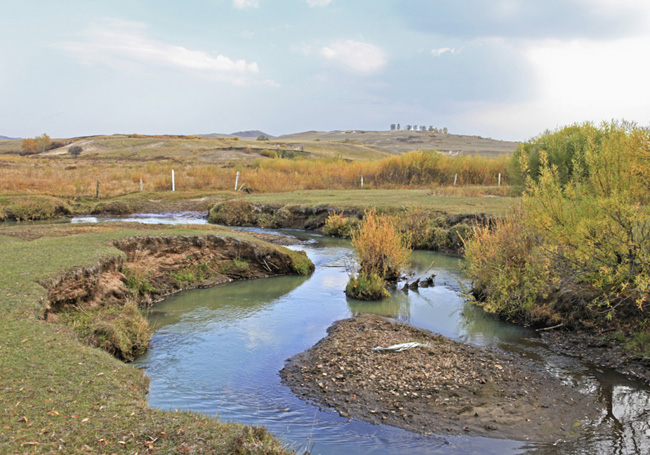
(423, 128)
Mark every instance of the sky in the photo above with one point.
(505, 69)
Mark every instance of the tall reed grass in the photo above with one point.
(77, 177)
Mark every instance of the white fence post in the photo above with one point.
(499, 179)
(362, 181)
(455, 179)
(141, 186)
(173, 182)
(236, 180)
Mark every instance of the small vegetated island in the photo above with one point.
(570, 252)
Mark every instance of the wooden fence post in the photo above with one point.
(237, 181)
(97, 192)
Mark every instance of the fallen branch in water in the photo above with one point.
(551, 328)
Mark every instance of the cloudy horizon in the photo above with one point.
(508, 69)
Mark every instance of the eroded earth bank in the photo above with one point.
(102, 301)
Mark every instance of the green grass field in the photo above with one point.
(59, 395)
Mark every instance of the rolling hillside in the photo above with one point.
(218, 148)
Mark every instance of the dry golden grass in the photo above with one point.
(66, 177)
(379, 247)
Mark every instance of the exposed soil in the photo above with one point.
(167, 265)
(600, 350)
(276, 239)
(444, 388)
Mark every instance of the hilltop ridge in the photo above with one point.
(243, 145)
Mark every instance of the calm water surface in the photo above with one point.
(219, 351)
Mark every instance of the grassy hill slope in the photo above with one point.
(352, 145)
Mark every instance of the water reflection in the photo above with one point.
(176, 218)
(231, 303)
(397, 307)
(624, 428)
(219, 350)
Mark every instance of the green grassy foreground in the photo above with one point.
(59, 395)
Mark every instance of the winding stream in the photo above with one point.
(218, 351)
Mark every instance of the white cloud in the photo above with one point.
(438, 52)
(358, 56)
(314, 3)
(125, 45)
(576, 81)
(241, 4)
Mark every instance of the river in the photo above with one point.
(218, 351)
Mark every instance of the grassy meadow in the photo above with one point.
(134, 173)
(64, 176)
(60, 395)
(570, 249)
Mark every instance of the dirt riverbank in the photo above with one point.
(444, 388)
(599, 349)
(101, 301)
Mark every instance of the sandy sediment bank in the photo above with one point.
(444, 388)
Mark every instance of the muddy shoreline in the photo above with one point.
(600, 350)
(445, 388)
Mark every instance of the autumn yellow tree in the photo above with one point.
(43, 142)
(30, 146)
(39, 144)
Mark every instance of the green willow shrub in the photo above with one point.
(598, 224)
(565, 149)
(366, 287)
(337, 225)
(511, 275)
(580, 248)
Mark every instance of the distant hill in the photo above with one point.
(402, 141)
(220, 148)
(6, 138)
(254, 134)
